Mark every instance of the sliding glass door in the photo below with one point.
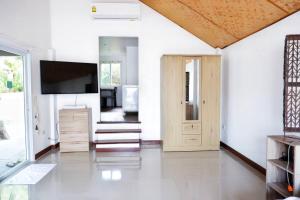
(14, 143)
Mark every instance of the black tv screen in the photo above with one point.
(68, 77)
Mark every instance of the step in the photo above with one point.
(118, 126)
(118, 147)
(116, 141)
(113, 131)
(118, 122)
(117, 136)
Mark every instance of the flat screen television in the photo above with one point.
(59, 77)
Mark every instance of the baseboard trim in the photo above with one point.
(159, 142)
(244, 158)
(45, 151)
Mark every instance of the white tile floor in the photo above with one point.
(210, 175)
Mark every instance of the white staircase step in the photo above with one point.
(127, 145)
(119, 126)
(117, 136)
(118, 147)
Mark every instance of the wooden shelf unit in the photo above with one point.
(277, 170)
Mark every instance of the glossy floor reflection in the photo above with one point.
(211, 175)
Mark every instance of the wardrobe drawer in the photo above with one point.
(73, 137)
(191, 128)
(192, 140)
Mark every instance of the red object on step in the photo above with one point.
(290, 188)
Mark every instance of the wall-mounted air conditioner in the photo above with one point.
(127, 11)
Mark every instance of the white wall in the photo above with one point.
(26, 23)
(253, 89)
(75, 38)
(132, 64)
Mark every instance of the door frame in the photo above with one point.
(26, 57)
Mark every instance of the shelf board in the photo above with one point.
(286, 140)
(281, 188)
(282, 165)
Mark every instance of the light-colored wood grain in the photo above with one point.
(78, 126)
(172, 99)
(73, 137)
(192, 140)
(221, 23)
(191, 128)
(73, 146)
(187, 135)
(211, 100)
(74, 128)
(289, 6)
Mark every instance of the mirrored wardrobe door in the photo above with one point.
(192, 85)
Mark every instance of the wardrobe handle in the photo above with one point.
(203, 101)
(181, 102)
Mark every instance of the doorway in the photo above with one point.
(14, 115)
(118, 79)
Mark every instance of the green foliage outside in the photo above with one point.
(14, 192)
(110, 74)
(11, 72)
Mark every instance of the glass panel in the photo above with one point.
(12, 115)
(192, 74)
(105, 74)
(115, 74)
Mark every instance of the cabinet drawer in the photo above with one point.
(74, 146)
(81, 115)
(73, 137)
(74, 126)
(66, 116)
(191, 128)
(192, 140)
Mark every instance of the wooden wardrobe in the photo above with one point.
(190, 102)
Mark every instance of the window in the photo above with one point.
(111, 74)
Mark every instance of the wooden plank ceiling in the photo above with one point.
(224, 22)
